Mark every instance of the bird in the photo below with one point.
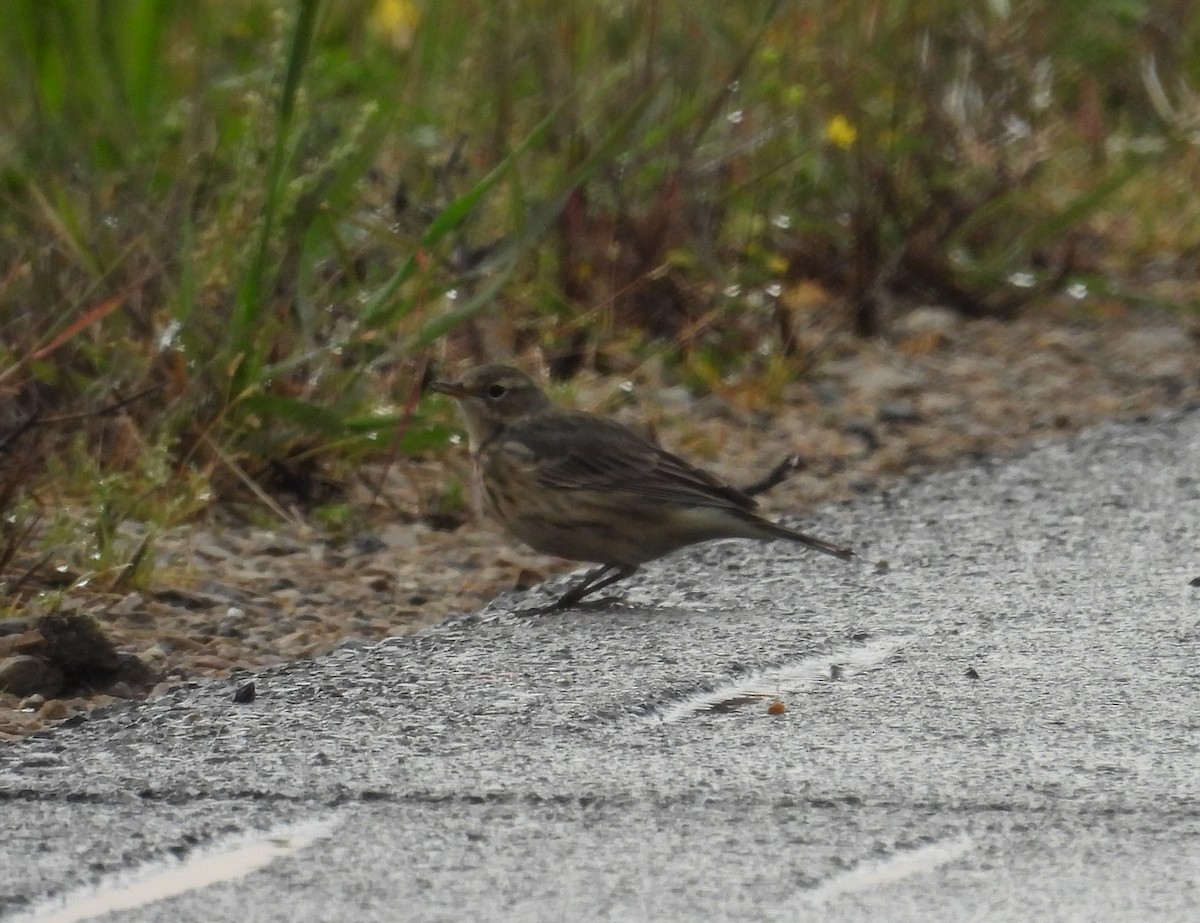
(580, 486)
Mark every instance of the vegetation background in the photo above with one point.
(237, 237)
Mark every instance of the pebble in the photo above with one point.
(54, 710)
(14, 643)
(24, 675)
(207, 662)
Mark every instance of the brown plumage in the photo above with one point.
(583, 487)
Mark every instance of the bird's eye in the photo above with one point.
(495, 392)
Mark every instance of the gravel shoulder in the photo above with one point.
(937, 392)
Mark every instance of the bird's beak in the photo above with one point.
(451, 388)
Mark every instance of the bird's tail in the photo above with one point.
(793, 535)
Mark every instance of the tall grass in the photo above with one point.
(235, 233)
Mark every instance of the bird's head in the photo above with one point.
(493, 397)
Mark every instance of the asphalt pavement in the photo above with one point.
(994, 715)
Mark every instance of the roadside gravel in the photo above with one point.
(939, 390)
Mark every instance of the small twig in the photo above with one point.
(28, 575)
(102, 412)
(255, 489)
(33, 421)
(9, 551)
(20, 430)
(777, 475)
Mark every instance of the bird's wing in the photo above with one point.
(586, 452)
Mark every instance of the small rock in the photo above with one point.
(206, 662)
(205, 547)
(54, 710)
(675, 396)
(924, 330)
(209, 596)
(133, 671)
(402, 535)
(875, 382)
(26, 642)
(245, 693)
(271, 545)
(899, 412)
(231, 623)
(24, 674)
(34, 702)
(156, 653)
(367, 544)
(287, 596)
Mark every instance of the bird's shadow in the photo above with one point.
(602, 604)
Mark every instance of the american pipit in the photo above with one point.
(583, 487)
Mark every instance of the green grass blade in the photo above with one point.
(249, 306)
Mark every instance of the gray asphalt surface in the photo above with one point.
(1001, 723)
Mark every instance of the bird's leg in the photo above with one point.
(593, 580)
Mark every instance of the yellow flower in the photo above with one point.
(840, 133)
(394, 21)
